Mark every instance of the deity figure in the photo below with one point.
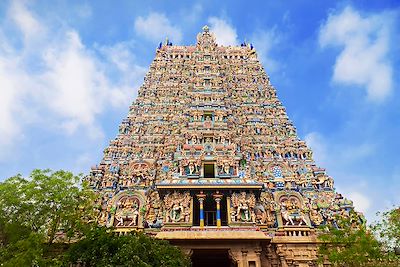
(104, 210)
(316, 217)
(243, 205)
(190, 167)
(265, 209)
(322, 181)
(227, 168)
(139, 171)
(177, 206)
(153, 215)
(127, 212)
(291, 212)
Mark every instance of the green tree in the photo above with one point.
(388, 230)
(102, 247)
(47, 219)
(39, 210)
(354, 244)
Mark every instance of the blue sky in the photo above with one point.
(70, 69)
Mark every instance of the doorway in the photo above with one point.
(212, 258)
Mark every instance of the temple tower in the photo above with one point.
(208, 159)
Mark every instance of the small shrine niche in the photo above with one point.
(292, 211)
(178, 208)
(208, 116)
(208, 140)
(227, 168)
(190, 168)
(242, 208)
(127, 212)
(265, 210)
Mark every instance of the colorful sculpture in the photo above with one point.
(207, 118)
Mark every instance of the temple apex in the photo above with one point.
(206, 28)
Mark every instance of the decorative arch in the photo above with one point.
(292, 210)
(127, 210)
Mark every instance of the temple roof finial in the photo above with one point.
(206, 28)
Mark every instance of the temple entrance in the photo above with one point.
(212, 258)
(210, 212)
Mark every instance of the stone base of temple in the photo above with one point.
(245, 247)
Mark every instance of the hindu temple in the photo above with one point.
(208, 159)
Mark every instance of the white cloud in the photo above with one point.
(225, 34)
(9, 102)
(25, 20)
(364, 59)
(74, 87)
(122, 58)
(83, 162)
(120, 55)
(156, 27)
(361, 202)
(54, 80)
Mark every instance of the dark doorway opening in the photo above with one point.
(212, 258)
(209, 171)
(210, 212)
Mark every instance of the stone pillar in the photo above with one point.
(258, 257)
(244, 258)
(201, 198)
(217, 197)
(236, 256)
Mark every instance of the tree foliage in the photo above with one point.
(353, 244)
(47, 219)
(102, 247)
(39, 210)
(388, 229)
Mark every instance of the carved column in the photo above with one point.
(236, 256)
(258, 257)
(217, 197)
(201, 198)
(244, 258)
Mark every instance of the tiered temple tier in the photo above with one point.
(207, 143)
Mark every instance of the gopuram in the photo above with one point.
(208, 159)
